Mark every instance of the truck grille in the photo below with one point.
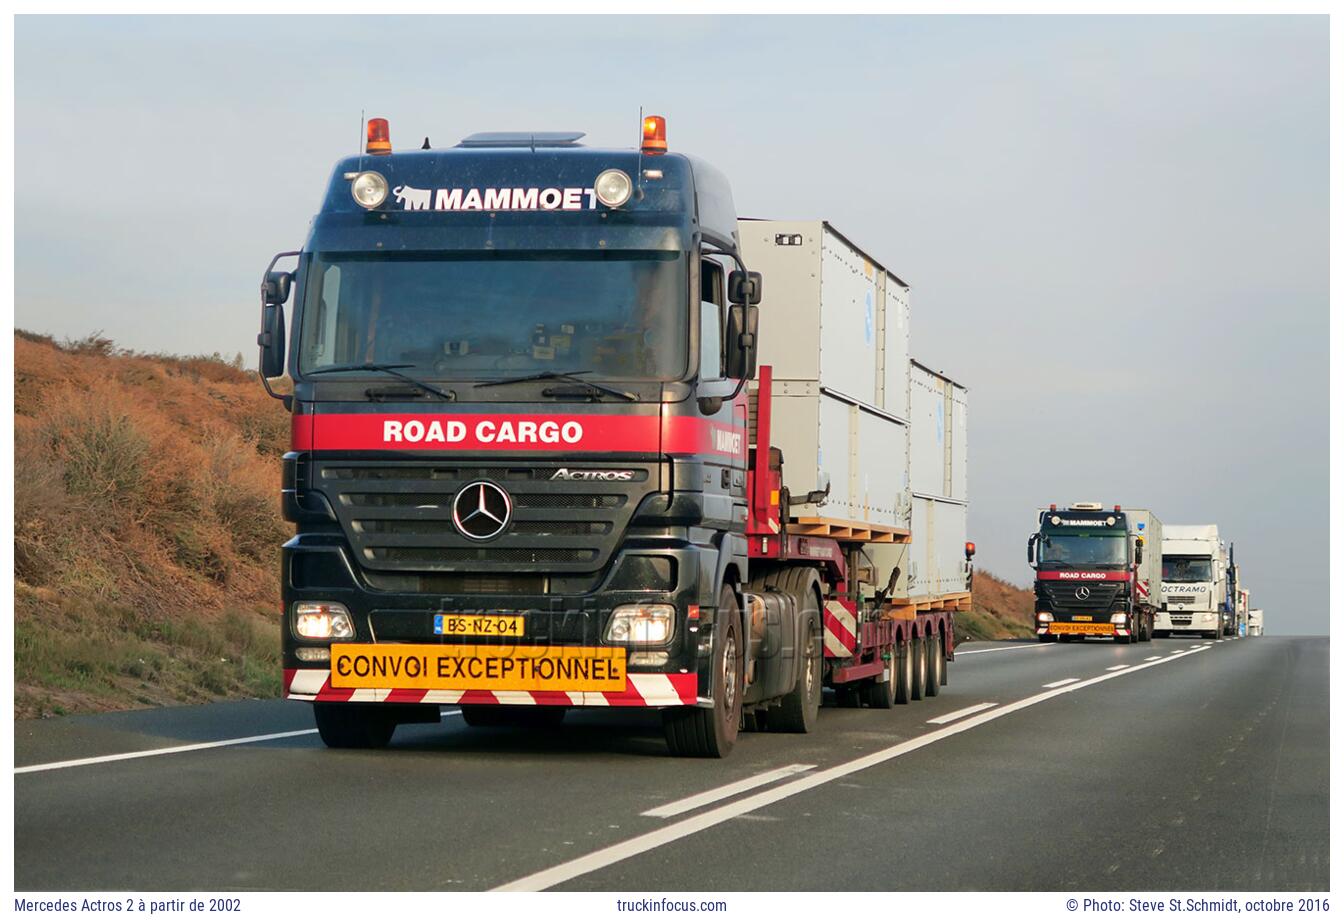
(1063, 595)
(398, 516)
(1188, 599)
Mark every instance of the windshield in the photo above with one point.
(1078, 549)
(1187, 568)
(616, 315)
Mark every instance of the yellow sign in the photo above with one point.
(478, 667)
(1080, 618)
(458, 624)
(1081, 629)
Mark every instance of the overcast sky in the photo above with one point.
(1115, 228)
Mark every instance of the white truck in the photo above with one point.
(1194, 573)
(1255, 623)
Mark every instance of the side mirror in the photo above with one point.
(272, 340)
(744, 287)
(1031, 549)
(275, 289)
(741, 340)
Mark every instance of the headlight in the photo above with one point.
(1044, 617)
(641, 624)
(613, 187)
(1118, 619)
(322, 620)
(369, 189)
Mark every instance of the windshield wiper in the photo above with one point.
(570, 376)
(394, 370)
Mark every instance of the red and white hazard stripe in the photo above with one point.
(841, 629)
(647, 690)
(1142, 587)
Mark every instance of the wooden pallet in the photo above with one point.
(848, 531)
(905, 608)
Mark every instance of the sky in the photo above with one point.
(1115, 228)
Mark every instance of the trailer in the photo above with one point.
(1255, 622)
(535, 467)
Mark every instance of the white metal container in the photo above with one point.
(1148, 578)
(937, 562)
(835, 328)
(938, 449)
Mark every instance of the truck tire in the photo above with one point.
(1210, 634)
(1046, 637)
(1146, 634)
(797, 710)
(351, 725)
(513, 716)
(921, 662)
(937, 666)
(881, 694)
(694, 732)
(904, 664)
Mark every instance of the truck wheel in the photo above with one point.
(937, 666)
(695, 732)
(513, 716)
(1046, 638)
(1147, 634)
(881, 694)
(921, 663)
(1210, 634)
(797, 711)
(350, 725)
(904, 665)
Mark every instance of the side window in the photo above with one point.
(711, 319)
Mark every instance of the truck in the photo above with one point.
(535, 466)
(1194, 581)
(1094, 576)
(1255, 622)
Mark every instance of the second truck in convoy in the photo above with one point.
(1194, 586)
(535, 468)
(1098, 572)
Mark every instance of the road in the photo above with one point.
(1176, 765)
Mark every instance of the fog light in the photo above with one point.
(322, 620)
(369, 189)
(613, 187)
(313, 654)
(648, 659)
(641, 624)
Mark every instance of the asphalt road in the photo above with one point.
(1175, 765)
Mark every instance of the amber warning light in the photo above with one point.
(655, 134)
(970, 550)
(380, 138)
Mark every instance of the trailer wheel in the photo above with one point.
(694, 732)
(797, 711)
(513, 716)
(347, 725)
(937, 666)
(920, 659)
(881, 694)
(904, 663)
(1146, 635)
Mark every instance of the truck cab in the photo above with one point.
(1088, 580)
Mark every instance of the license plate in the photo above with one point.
(1079, 618)
(459, 624)
(1081, 629)
(478, 667)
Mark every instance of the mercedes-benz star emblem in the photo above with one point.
(482, 510)
(1082, 593)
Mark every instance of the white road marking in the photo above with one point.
(961, 713)
(1152, 658)
(1117, 667)
(1061, 683)
(690, 803)
(1011, 648)
(669, 833)
(180, 749)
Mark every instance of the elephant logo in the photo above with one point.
(412, 199)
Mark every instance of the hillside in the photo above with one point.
(147, 526)
(145, 529)
(998, 611)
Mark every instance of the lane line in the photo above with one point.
(962, 713)
(670, 833)
(692, 802)
(1061, 683)
(1011, 648)
(1118, 667)
(1152, 658)
(180, 749)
